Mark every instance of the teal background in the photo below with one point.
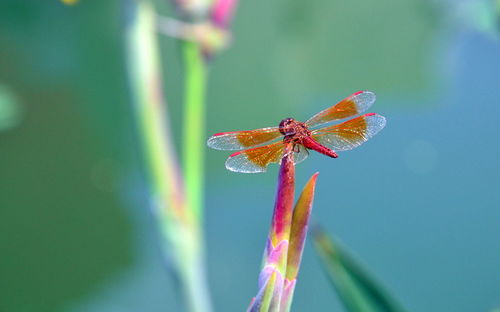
(418, 204)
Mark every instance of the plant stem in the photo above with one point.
(181, 234)
(194, 125)
(274, 264)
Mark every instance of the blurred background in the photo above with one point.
(418, 204)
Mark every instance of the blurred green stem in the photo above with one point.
(180, 228)
(194, 125)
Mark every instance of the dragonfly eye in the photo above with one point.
(285, 128)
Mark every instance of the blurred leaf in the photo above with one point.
(356, 288)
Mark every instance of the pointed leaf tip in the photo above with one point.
(300, 222)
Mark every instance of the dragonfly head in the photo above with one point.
(287, 126)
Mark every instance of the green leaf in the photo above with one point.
(356, 288)
(300, 222)
(298, 234)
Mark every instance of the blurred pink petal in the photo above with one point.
(222, 12)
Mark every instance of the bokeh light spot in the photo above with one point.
(69, 2)
(10, 111)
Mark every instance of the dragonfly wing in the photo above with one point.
(239, 140)
(351, 133)
(255, 159)
(350, 106)
(300, 153)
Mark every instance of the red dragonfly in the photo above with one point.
(303, 135)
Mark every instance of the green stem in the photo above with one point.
(181, 234)
(194, 125)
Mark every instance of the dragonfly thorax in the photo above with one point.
(293, 129)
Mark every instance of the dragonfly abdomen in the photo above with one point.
(310, 143)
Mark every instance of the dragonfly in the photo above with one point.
(258, 148)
